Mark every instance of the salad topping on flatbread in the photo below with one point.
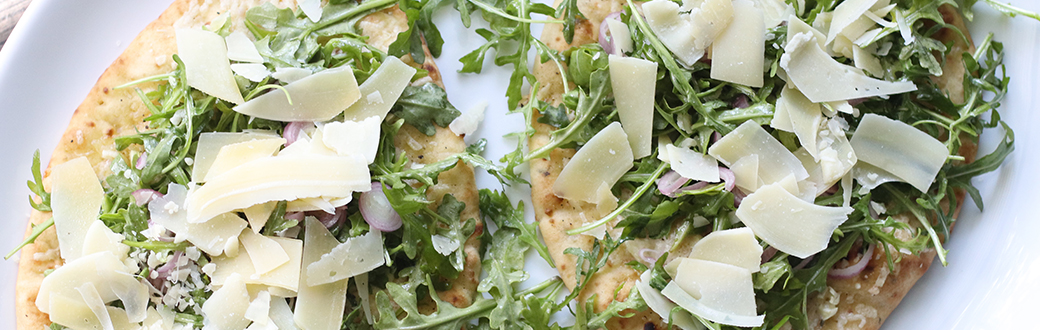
(695, 164)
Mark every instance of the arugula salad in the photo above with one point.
(839, 97)
(402, 247)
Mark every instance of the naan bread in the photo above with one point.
(107, 113)
(870, 297)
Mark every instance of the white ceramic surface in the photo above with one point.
(58, 50)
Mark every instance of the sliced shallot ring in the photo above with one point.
(377, 211)
(854, 269)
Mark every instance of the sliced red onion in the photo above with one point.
(608, 42)
(768, 254)
(141, 160)
(738, 196)
(670, 182)
(649, 256)
(854, 102)
(292, 131)
(728, 177)
(804, 262)
(165, 270)
(298, 216)
(855, 269)
(741, 102)
(692, 187)
(377, 211)
(715, 137)
(330, 220)
(143, 196)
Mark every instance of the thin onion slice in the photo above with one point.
(608, 44)
(670, 182)
(855, 269)
(728, 177)
(377, 211)
(292, 131)
(143, 196)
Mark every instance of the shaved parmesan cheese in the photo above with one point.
(259, 308)
(240, 48)
(233, 155)
(737, 247)
(210, 144)
(796, 26)
(76, 198)
(692, 165)
(845, 14)
(318, 97)
(74, 313)
(745, 171)
(822, 79)
(211, 237)
(774, 12)
(836, 156)
(258, 214)
(206, 64)
(110, 277)
(715, 291)
(361, 281)
(738, 54)
(602, 160)
(260, 245)
(620, 34)
(289, 75)
(898, 148)
(662, 306)
(863, 59)
(353, 138)
(355, 256)
(315, 204)
(311, 8)
(468, 122)
(688, 35)
(226, 308)
(278, 178)
(788, 223)
(634, 81)
(774, 160)
(870, 176)
(319, 307)
(282, 316)
(252, 71)
(285, 277)
(673, 29)
(100, 238)
(389, 80)
(805, 117)
(93, 300)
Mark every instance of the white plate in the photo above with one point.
(58, 50)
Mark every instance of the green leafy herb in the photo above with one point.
(425, 106)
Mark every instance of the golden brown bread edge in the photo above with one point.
(873, 295)
(108, 112)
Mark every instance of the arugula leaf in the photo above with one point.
(568, 11)
(421, 27)
(495, 206)
(293, 41)
(277, 222)
(423, 106)
(589, 106)
(36, 186)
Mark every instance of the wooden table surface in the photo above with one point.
(10, 12)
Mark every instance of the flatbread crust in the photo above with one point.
(107, 113)
(870, 297)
